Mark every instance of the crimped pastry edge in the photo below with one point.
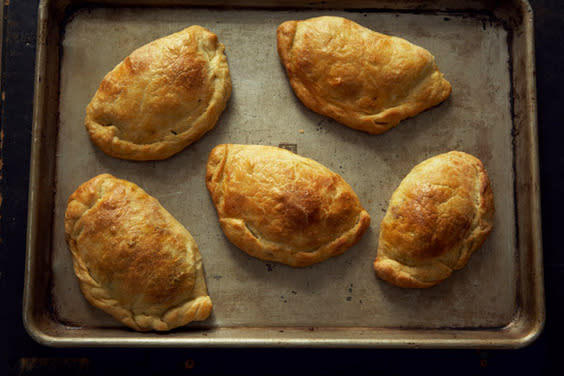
(240, 235)
(103, 136)
(195, 309)
(376, 123)
(425, 275)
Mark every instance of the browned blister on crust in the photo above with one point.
(363, 79)
(279, 206)
(162, 97)
(439, 215)
(133, 259)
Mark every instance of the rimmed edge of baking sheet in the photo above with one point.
(528, 321)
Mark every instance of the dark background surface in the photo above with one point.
(19, 354)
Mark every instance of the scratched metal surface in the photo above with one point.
(342, 293)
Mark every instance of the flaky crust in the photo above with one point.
(132, 258)
(161, 98)
(363, 79)
(438, 216)
(278, 206)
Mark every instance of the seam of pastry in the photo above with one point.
(477, 198)
(290, 48)
(424, 74)
(400, 273)
(84, 269)
(135, 318)
(162, 313)
(253, 232)
(77, 221)
(131, 312)
(218, 176)
(120, 312)
(91, 275)
(482, 184)
(274, 245)
(414, 264)
(191, 301)
(403, 102)
(336, 238)
(291, 44)
(203, 44)
(446, 265)
(400, 101)
(104, 301)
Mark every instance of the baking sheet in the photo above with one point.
(339, 301)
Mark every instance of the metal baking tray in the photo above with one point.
(487, 53)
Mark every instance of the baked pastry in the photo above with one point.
(161, 98)
(278, 206)
(363, 79)
(438, 216)
(132, 258)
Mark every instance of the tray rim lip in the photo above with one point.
(30, 325)
(447, 338)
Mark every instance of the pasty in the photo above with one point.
(162, 97)
(278, 206)
(132, 258)
(438, 216)
(363, 79)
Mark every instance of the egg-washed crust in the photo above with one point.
(133, 259)
(362, 79)
(439, 215)
(279, 206)
(162, 97)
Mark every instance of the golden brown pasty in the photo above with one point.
(360, 78)
(279, 206)
(132, 258)
(438, 216)
(162, 97)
